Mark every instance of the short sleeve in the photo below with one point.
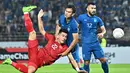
(100, 22)
(59, 20)
(79, 19)
(49, 36)
(64, 48)
(75, 27)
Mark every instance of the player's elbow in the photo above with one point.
(40, 30)
(104, 31)
(76, 40)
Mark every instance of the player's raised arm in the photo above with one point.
(57, 27)
(40, 22)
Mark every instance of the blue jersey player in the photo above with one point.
(67, 21)
(89, 24)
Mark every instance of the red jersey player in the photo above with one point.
(47, 55)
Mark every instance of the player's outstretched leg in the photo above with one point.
(18, 66)
(28, 22)
(32, 41)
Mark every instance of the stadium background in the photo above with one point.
(114, 13)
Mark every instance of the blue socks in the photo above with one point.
(81, 68)
(86, 67)
(105, 67)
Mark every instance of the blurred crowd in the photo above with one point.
(114, 13)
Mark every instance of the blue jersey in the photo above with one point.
(71, 26)
(89, 27)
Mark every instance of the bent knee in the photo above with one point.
(32, 35)
(87, 62)
(31, 69)
(102, 60)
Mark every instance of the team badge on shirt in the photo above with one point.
(95, 20)
(68, 28)
(85, 19)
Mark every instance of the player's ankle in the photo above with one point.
(26, 12)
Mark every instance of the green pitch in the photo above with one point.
(66, 68)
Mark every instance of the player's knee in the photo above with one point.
(32, 35)
(87, 62)
(102, 60)
(31, 69)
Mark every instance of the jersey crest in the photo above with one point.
(95, 20)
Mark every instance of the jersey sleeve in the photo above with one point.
(100, 22)
(64, 48)
(79, 19)
(59, 20)
(75, 27)
(48, 36)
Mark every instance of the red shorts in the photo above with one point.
(32, 53)
(37, 57)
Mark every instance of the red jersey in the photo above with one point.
(50, 53)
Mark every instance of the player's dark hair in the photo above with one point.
(90, 3)
(71, 6)
(63, 30)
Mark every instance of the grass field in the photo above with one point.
(66, 68)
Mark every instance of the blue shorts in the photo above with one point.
(88, 49)
(75, 53)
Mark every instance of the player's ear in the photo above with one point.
(87, 8)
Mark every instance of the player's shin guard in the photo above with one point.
(105, 67)
(86, 67)
(20, 67)
(28, 23)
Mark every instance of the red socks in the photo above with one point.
(20, 67)
(28, 23)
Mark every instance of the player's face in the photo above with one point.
(62, 37)
(91, 9)
(68, 12)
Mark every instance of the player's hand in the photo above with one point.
(82, 71)
(100, 35)
(41, 13)
(63, 54)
